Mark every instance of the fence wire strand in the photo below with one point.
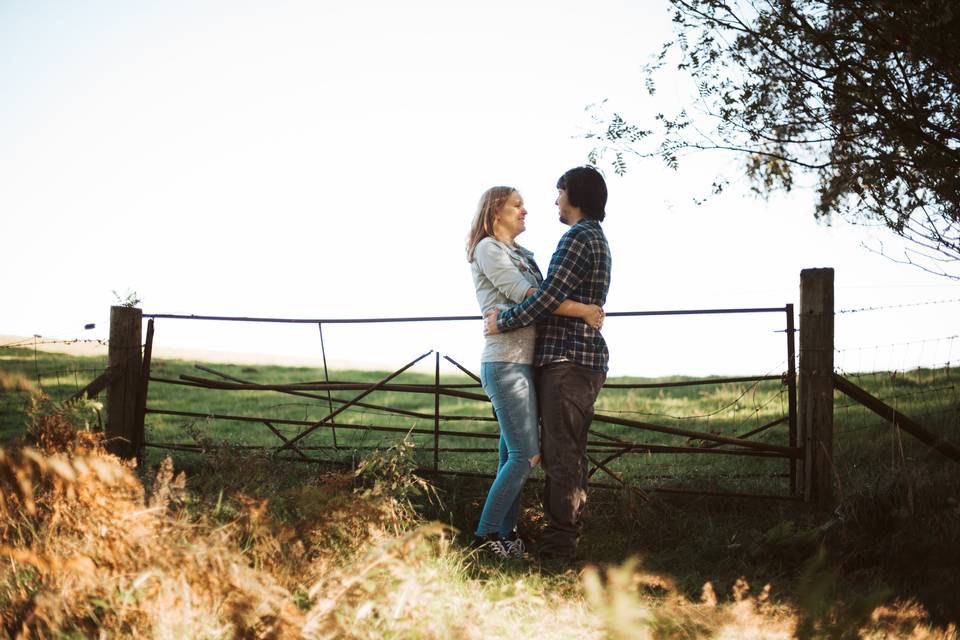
(898, 306)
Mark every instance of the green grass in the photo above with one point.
(897, 526)
(726, 409)
(57, 374)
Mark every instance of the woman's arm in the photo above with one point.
(499, 270)
(589, 313)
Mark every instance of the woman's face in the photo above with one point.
(510, 217)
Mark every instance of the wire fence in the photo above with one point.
(917, 376)
(58, 375)
(25, 368)
(682, 420)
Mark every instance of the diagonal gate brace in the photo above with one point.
(289, 444)
(887, 412)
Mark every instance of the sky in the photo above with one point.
(324, 159)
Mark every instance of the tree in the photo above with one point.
(860, 94)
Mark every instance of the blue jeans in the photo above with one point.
(511, 390)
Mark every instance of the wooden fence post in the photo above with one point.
(815, 410)
(123, 395)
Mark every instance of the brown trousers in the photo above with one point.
(565, 393)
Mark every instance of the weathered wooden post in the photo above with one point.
(123, 432)
(815, 410)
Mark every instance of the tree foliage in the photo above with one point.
(860, 94)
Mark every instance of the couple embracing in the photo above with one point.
(544, 361)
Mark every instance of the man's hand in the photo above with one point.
(595, 317)
(490, 322)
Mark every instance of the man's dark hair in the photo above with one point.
(587, 190)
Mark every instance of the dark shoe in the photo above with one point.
(556, 555)
(514, 544)
(492, 545)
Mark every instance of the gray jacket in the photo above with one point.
(502, 275)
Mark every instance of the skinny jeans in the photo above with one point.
(510, 388)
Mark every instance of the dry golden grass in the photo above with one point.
(13, 381)
(617, 597)
(87, 550)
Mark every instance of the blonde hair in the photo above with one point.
(491, 201)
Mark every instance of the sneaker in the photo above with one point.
(556, 555)
(491, 544)
(514, 544)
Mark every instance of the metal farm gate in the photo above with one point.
(449, 442)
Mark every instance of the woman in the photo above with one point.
(504, 273)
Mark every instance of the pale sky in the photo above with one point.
(324, 159)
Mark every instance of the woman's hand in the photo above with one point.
(490, 322)
(594, 316)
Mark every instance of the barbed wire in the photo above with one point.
(18, 343)
(905, 376)
(898, 306)
(944, 367)
(928, 372)
(36, 341)
(897, 344)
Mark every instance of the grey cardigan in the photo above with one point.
(502, 275)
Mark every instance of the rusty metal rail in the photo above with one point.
(612, 314)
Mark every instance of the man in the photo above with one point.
(570, 356)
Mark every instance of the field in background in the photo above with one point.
(928, 395)
(894, 538)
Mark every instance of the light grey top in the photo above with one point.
(502, 275)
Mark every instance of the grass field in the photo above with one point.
(893, 540)
(862, 439)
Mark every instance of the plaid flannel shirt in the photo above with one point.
(579, 270)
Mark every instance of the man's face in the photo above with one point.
(564, 206)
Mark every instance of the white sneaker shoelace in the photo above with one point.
(514, 546)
